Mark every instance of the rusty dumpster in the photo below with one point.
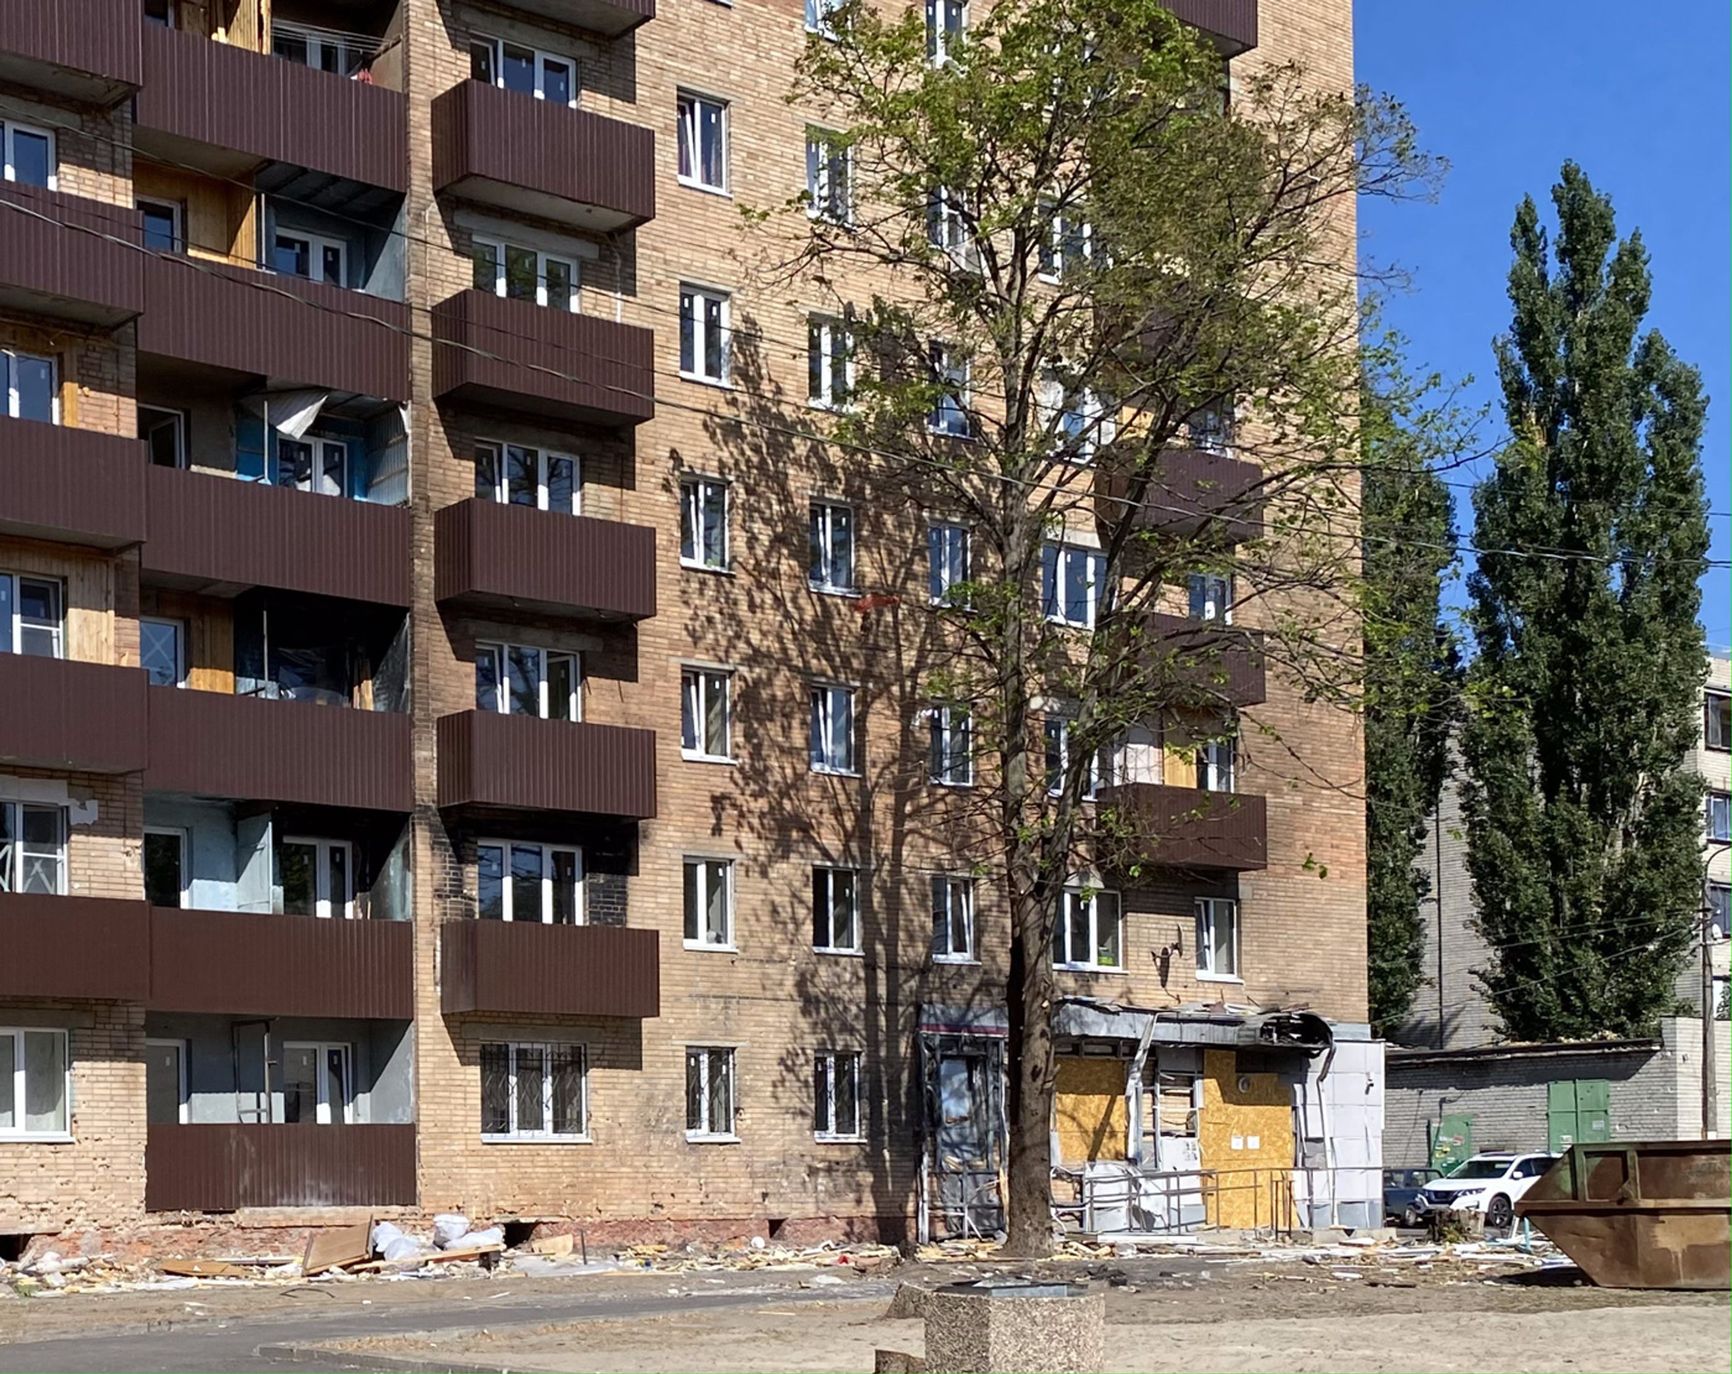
(1639, 1214)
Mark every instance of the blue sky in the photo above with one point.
(1507, 90)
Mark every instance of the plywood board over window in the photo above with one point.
(1246, 1136)
(1089, 1107)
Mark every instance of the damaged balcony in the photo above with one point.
(536, 969)
(73, 486)
(1190, 827)
(69, 258)
(491, 762)
(72, 716)
(84, 50)
(494, 555)
(95, 948)
(1221, 664)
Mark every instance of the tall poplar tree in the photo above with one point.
(1584, 832)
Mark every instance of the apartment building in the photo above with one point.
(437, 773)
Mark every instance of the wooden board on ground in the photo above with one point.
(476, 1252)
(207, 1269)
(341, 1247)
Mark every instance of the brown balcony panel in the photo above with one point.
(224, 534)
(513, 355)
(86, 50)
(1231, 23)
(487, 554)
(518, 763)
(275, 329)
(72, 486)
(59, 256)
(1192, 495)
(1185, 827)
(610, 18)
(222, 1168)
(546, 970)
(225, 108)
(67, 715)
(95, 948)
(245, 963)
(1221, 663)
(214, 745)
(535, 157)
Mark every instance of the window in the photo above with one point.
(1211, 597)
(164, 433)
(946, 23)
(704, 523)
(160, 651)
(165, 870)
(165, 1096)
(832, 729)
(525, 274)
(703, 142)
(517, 476)
(950, 409)
(312, 464)
(1720, 909)
(521, 680)
(1717, 720)
(1215, 765)
(704, 339)
(33, 1084)
(950, 754)
(835, 911)
(947, 560)
(1058, 729)
(1086, 934)
(947, 223)
(709, 900)
(836, 1095)
(316, 877)
(829, 176)
(1217, 937)
(821, 17)
(1210, 428)
(829, 362)
(953, 920)
(1069, 243)
(32, 848)
(160, 13)
(324, 50)
(1078, 417)
(1719, 816)
(32, 616)
(538, 883)
(164, 222)
(312, 256)
(1073, 581)
(513, 67)
(709, 1094)
(534, 1092)
(706, 718)
(318, 1084)
(31, 389)
(832, 544)
(29, 155)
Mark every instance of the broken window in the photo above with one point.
(836, 1095)
(534, 1092)
(709, 1093)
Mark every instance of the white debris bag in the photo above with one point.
(449, 1228)
(404, 1247)
(474, 1240)
(382, 1234)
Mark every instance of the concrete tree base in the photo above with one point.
(1015, 1328)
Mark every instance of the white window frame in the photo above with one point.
(939, 40)
(954, 890)
(951, 728)
(316, 245)
(832, 1062)
(323, 1114)
(1056, 730)
(543, 1049)
(1055, 608)
(827, 874)
(708, 1057)
(826, 337)
(826, 165)
(698, 297)
(501, 651)
(324, 905)
(183, 842)
(821, 541)
(15, 854)
(706, 868)
(1710, 698)
(821, 18)
(1721, 803)
(1054, 258)
(320, 449)
(20, 1088)
(1208, 957)
(695, 492)
(542, 58)
(1217, 764)
(1094, 424)
(824, 698)
(176, 213)
(9, 361)
(949, 415)
(180, 1056)
(1210, 597)
(507, 891)
(1209, 429)
(166, 415)
(493, 450)
(947, 226)
(15, 631)
(9, 131)
(180, 631)
(949, 562)
(700, 685)
(542, 257)
(688, 108)
(1093, 899)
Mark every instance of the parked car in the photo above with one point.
(1487, 1183)
(1401, 1194)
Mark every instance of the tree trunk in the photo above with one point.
(1030, 1069)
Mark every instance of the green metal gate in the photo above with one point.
(1578, 1112)
(1451, 1140)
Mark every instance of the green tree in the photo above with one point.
(1584, 833)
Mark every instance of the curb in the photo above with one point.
(334, 1357)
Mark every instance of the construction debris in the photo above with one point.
(338, 1248)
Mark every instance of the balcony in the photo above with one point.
(490, 351)
(210, 744)
(222, 533)
(499, 557)
(95, 948)
(84, 50)
(71, 716)
(1223, 665)
(1231, 23)
(518, 763)
(1185, 827)
(228, 110)
(245, 963)
(275, 329)
(610, 18)
(222, 1168)
(535, 157)
(59, 257)
(1194, 494)
(72, 486)
(527, 968)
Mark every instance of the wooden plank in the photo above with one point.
(342, 1247)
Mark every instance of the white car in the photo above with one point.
(1487, 1183)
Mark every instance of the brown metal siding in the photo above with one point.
(1222, 662)
(58, 255)
(1234, 21)
(520, 345)
(221, 1168)
(276, 327)
(84, 717)
(73, 947)
(245, 963)
(548, 970)
(488, 759)
(76, 486)
(1193, 493)
(221, 529)
(97, 39)
(215, 745)
(610, 18)
(1185, 827)
(604, 169)
(490, 554)
(227, 97)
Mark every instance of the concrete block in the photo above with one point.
(1029, 1328)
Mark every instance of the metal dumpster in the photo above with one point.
(1639, 1214)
